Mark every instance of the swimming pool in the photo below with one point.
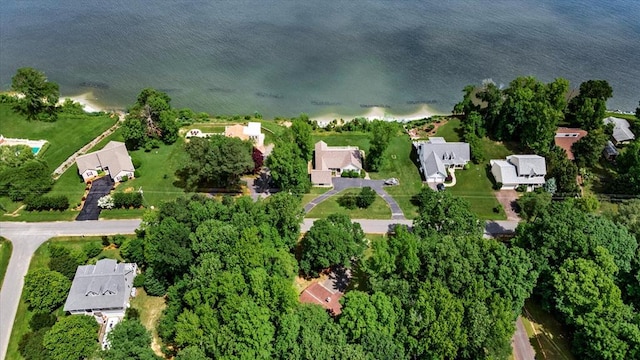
(35, 150)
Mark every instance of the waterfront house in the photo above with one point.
(332, 161)
(516, 170)
(436, 156)
(621, 130)
(566, 137)
(113, 159)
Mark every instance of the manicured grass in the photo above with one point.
(65, 136)
(40, 216)
(150, 308)
(40, 260)
(121, 214)
(474, 186)
(401, 166)
(621, 116)
(313, 193)
(450, 131)
(549, 338)
(378, 210)
(351, 138)
(6, 247)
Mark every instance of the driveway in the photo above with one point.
(26, 238)
(340, 184)
(99, 188)
(507, 198)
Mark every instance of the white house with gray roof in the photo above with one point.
(113, 159)
(331, 161)
(436, 156)
(621, 130)
(516, 170)
(101, 290)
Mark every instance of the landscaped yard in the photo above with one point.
(150, 309)
(65, 136)
(378, 210)
(6, 247)
(313, 193)
(40, 260)
(473, 184)
(399, 165)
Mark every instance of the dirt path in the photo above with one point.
(72, 159)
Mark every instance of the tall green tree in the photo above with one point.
(441, 212)
(72, 338)
(151, 117)
(381, 134)
(45, 290)
(39, 96)
(301, 131)
(288, 168)
(587, 151)
(587, 109)
(286, 215)
(218, 161)
(31, 178)
(129, 340)
(330, 242)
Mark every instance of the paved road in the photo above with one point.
(522, 349)
(26, 238)
(340, 184)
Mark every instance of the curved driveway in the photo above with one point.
(26, 238)
(340, 184)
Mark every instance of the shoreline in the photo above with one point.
(90, 104)
(380, 113)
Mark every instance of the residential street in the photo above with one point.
(522, 349)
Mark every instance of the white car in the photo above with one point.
(391, 181)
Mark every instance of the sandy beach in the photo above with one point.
(379, 113)
(87, 100)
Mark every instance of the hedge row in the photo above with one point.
(40, 203)
(127, 200)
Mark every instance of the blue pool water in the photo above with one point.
(35, 150)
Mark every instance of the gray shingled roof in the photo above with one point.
(106, 285)
(621, 129)
(528, 164)
(436, 154)
(113, 156)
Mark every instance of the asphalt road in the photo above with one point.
(26, 238)
(522, 349)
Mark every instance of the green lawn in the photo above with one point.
(378, 210)
(313, 193)
(548, 337)
(40, 260)
(400, 165)
(621, 116)
(65, 136)
(6, 247)
(355, 138)
(450, 131)
(150, 309)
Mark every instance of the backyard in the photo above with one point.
(378, 210)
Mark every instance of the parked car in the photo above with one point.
(440, 187)
(391, 181)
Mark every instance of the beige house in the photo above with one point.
(113, 159)
(331, 161)
(252, 131)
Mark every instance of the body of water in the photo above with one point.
(282, 58)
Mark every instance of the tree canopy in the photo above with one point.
(150, 118)
(45, 290)
(72, 337)
(218, 161)
(129, 340)
(39, 97)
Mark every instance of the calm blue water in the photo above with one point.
(284, 57)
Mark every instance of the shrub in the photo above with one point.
(92, 249)
(41, 320)
(118, 240)
(125, 178)
(348, 201)
(366, 197)
(106, 202)
(521, 188)
(127, 200)
(132, 313)
(40, 203)
(139, 280)
(105, 240)
(136, 173)
(136, 162)
(497, 186)
(350, 174)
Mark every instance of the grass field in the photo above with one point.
(450, 131)
(6, 247)
(40, 260)
(547, 335)
(313, 193)
(378, 210)
(65, 136)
